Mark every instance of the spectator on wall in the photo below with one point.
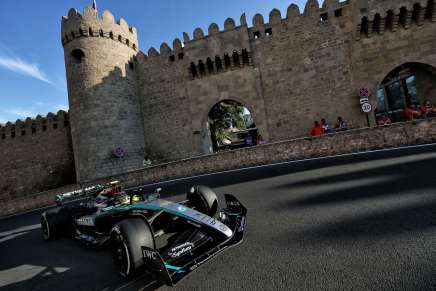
(428, 109)
(341, 125)
(412, 112)
(384, 120)
(317, 129)
(326, 126)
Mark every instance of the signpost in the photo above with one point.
(366, 107)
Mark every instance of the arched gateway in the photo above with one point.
(231, 126)
(410, 84)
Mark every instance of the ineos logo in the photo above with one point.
(150, 254)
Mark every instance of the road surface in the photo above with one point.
(356, 222)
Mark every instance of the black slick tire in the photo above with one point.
(203, 199)
(127, 238)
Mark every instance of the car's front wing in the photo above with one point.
(170, 272)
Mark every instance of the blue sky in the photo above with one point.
(32, 72)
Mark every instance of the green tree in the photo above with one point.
(224, 116)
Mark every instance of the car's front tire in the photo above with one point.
(127, 237)
(203, 199)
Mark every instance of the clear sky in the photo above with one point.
(32, 72)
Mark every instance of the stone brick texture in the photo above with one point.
(288, 71)
(36, 156)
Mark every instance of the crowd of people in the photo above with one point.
(324, 127)
(412, 112)
(426, 110)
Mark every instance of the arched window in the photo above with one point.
(77, 56)
(209, 65)
(134, 46)
(416, 12)
(201, 68)
(91, 33)
(73, 35)
(101, 33)
(403, 16)
(120, 38)
(227, 61)
(128, 42)
(245, 57)
(236, 59)
(389, 20)
(429, 9)
(218, 64)
(194, 70)
(364, 26)
(111, 35)
(81, 32)
(376, 23)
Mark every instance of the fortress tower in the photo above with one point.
(106, 119)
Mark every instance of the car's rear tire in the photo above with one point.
(203, 199)
(55, 223)
(127, 237)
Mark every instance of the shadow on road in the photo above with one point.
(28, 261)
(269, 171)
(394, 179)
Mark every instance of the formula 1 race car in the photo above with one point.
(166, 238)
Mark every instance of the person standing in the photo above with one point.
(341, 125)
(326, 126)
(317, 129)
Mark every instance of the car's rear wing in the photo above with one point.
(78, 194)
(170, 274)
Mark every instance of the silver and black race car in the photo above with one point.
(145, 232)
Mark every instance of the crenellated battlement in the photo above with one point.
(381, 17)
(330, 10)
(89, 24)
(32, 126)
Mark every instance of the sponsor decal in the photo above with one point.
(233, 203)
(180, 250)
(148, 254)
(85, 221)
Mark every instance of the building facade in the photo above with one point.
(288, 71)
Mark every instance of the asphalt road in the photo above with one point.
(361, 222)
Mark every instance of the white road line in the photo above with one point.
(148, 285)
(250, 168)
(20, 229)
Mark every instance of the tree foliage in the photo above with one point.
(225, 116)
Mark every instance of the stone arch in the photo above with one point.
(77, 55)
(402, 86)
(238, 135)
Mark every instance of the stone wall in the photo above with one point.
(359, 140)
(105, 110)
(352, 141)
(36, 155)
(304, 66)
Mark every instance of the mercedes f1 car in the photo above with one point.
(145, 232)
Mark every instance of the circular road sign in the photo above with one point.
(366, 107)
